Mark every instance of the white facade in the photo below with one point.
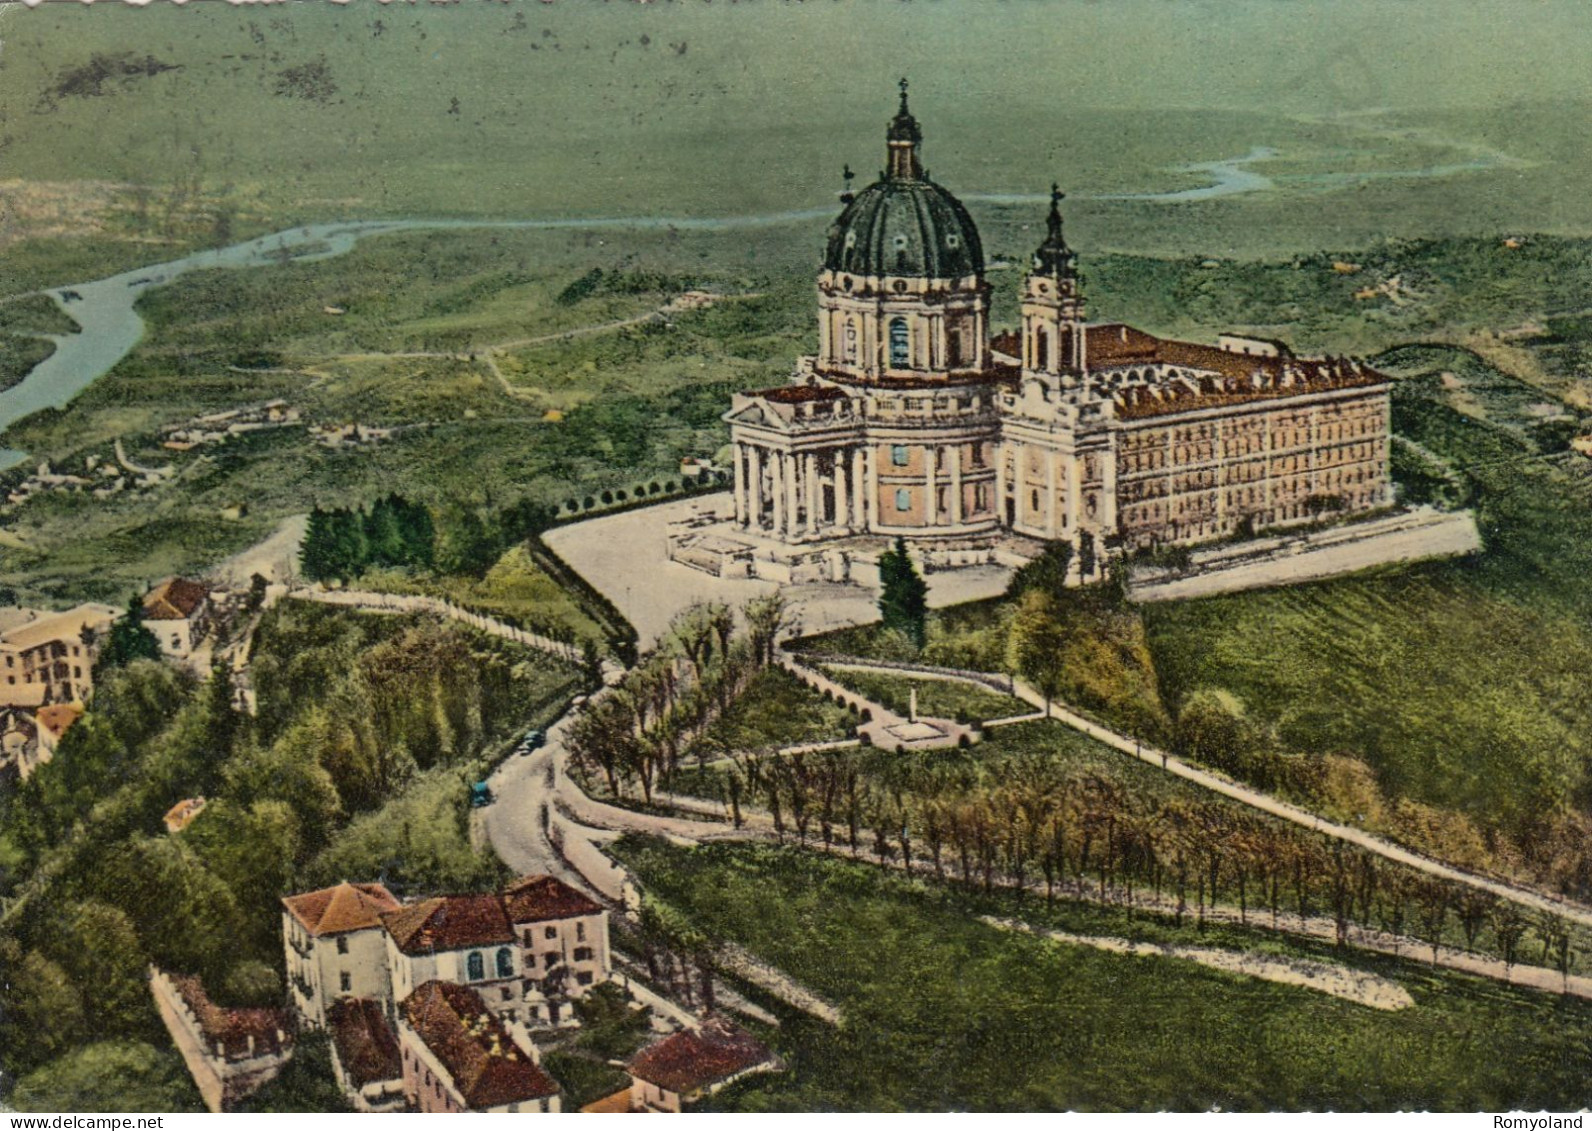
(321, 969)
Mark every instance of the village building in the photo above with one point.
(564, 935)
(459, 1055)
(692, 1064)
(49, 657)
(182, 814)
(525, 950)
(914, 420)
(29, 736)
(464, 939)
(365, 1055)
(336, 947)
(179, 612)
(230, 1053)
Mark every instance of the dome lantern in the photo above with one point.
(902, 139)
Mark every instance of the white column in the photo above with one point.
(1000, 483)
(842, 499)
(930, 504)
(956, 485)
(792, 494)
(810, 483)
(1051, 458)
(754, 514)
(741, 508)
(1074, 478)
(859, 484)
(870, 476)
(776, 477)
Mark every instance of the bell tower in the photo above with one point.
(1052, 311)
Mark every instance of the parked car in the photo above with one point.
(533, 740)
(480, 795)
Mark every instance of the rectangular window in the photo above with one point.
(903, 499)
(342, 944)
(580, 932)
(898, 455)
(584, 979)
(551, 932)
(583, 954)
(550, 957)
(345, 982)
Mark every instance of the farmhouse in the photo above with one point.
(694, 1063)
(178, 611)
(459, 1056)
(229, 1052)
(913, 420)
(335, 948)
(49, 657)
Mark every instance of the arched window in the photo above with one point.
(953, 347)
(900, 344)
(1041, 349)
(505, 963)
(475, 966)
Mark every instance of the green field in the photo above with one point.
(937, 698)
(1458, 682)
(235, 122)
(943, 1012)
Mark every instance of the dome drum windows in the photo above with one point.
(900, 344)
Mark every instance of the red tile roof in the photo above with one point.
(694, 1059)
(533, 899)
(366, 1046)
(488, 1067)
(615, 1103)
(346, 907)
(800, 394)
(176, 598)
(272, 1029)
(58, 718)
(449, 922)
(1219, 377)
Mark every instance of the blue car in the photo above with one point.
(480, 795)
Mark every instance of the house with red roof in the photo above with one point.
(458, 1055)
(230, 1053)
(179, 612)
(525, 949)
(694, 1063)
(336, 948)
(365, 1055)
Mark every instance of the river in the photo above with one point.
(105, 309)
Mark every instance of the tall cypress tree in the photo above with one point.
(384, 540)
(316, 553)
(129, 640)
(904, 595)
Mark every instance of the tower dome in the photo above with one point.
(904, 225)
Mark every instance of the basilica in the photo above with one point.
(915, 419)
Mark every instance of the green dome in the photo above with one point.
(906, 227)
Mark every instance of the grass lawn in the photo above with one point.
(774, 711)
(1460, 682)
(937, 698)
(943, 1012)
(515, 590)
